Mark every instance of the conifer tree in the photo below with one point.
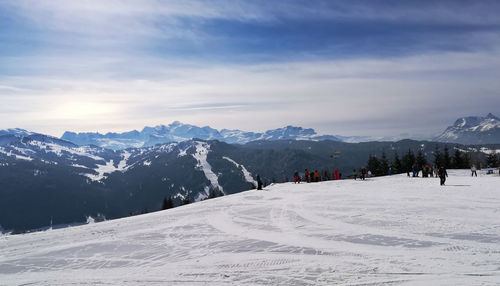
(438, 157)
(421, 160)
(214, 193)
(168, 203)
(398, 165)
(492, 160)
(446, 158)
(374, 165)
(185, 201)
(384, 165)
(408, 160)
(457, 161)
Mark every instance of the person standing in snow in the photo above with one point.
(442, 175)
(355, 174)
(363, 173)
(316, 176)
(308, 176)
(259, 182)
(296, 177)
(473, 170)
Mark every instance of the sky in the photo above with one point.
(374, 68)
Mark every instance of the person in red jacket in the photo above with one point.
(308, 175)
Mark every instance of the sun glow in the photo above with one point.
(82, 109)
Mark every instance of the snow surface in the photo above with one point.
(246, 174)
(391, 230)
(202, 149)
(109, 168)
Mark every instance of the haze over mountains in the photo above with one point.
(466, 130)
(177, 131)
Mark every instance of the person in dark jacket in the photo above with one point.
(442, 175)
(259, 183)
(363, 173)
(355, 174)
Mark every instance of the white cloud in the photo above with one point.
(415, 94)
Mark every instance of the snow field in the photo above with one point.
(389, 230)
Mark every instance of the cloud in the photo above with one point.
(354, 68)
(426, 92)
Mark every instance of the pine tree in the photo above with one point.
(446, 158)
(421, 160)
(492, 160)
(374, 165)
(408, 161)
(457, 160)
(185, 201)
(398, 165)
(168, 203)
(384, 165)
(438, 157)
(214, 193)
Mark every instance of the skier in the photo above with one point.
(355, 174)
(442, 175)
(390, 171)
(415, 170)
(316, 176)
(473, 170)
(363, 173)
(307, 174)
(296, 177)
(259, 182)
(336, 174)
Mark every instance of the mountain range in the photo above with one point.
(47, 180)
(177, 131)
(473, 130)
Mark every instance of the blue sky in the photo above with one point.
(376, 68)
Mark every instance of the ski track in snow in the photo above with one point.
(202, 149)
(246, 174)
(391, 230)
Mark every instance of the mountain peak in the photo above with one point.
(473, 130)
(491, 116)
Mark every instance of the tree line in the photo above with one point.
(379, 166)
(169, 202)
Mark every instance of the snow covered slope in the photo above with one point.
(473, 130)
(389, 230)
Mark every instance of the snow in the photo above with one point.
(202, 149)
(18, 157)
(147, 163)
(109, 168)
(390, 230)
(246, 174)
(489, 151)
(84, 151)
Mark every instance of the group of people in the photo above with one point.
(427, 171)
(315, 176)
(362, 173)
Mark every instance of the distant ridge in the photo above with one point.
(473, 130)
(178, 132)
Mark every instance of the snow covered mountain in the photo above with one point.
(177, 132)
(61, 182)
(473, 130)
(382, 231)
